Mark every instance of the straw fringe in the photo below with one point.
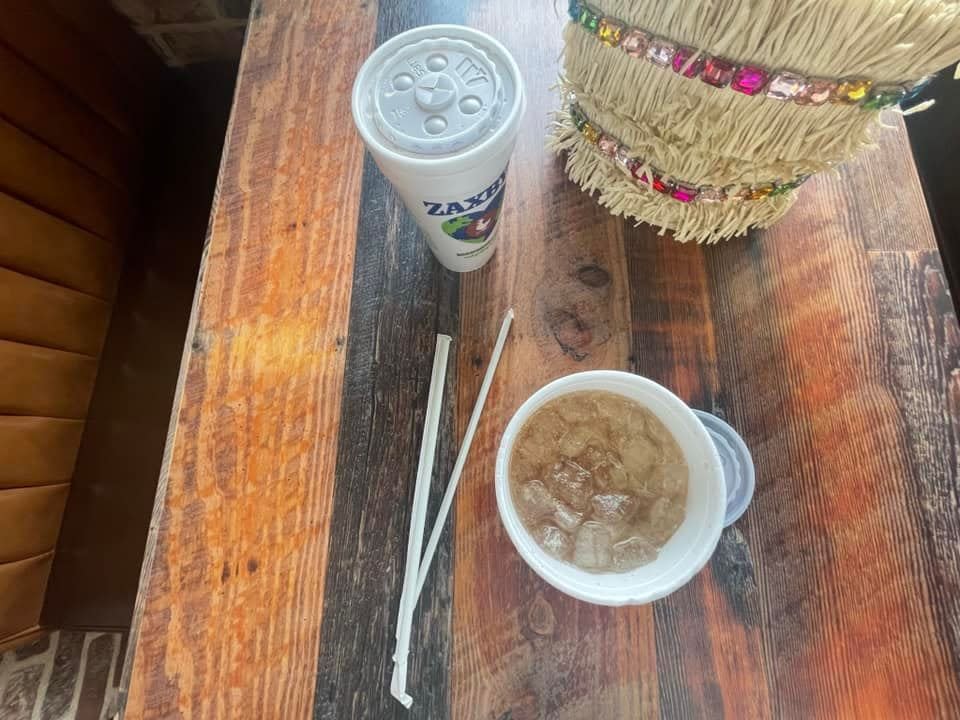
(700, 222)
(884, 40)
(665, 108)
(702, 135)
(708, 163)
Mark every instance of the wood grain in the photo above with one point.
(922, 364)
(401, 300)
(248, 510)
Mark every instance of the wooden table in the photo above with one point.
(276, 556)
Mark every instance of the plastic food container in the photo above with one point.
(694, 541)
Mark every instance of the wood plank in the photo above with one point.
(673, 343)
(801, 366)
(922, 359)
(265, 358)
(31, 520)
(21, 593)
(38, 106)
(32, 172)
(40, 313)
(41, 381)
(112, 35)
(37, 450)
(35, 243)
(889, 212)
(39, 37)
(403, 299)
(521, 648)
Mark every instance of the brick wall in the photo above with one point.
(189, 31)
(62, 676)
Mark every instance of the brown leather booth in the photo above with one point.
(72, 98)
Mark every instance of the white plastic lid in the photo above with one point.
(436, 90)
(738, 470)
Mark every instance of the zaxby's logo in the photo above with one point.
(472, 227)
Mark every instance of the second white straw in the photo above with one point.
(462, 455)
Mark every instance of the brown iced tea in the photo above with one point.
(599, 481)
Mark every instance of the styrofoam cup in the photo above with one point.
(439, 108)
(684, 554)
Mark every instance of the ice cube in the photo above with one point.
(549, 427)
(592, 457)
(665, 517)
(592, 548)
(577, 409)
(633, 552)
(535, 500)
(613, 507)
(639, 451)
(571, 483)
(605, 468)
(554, 541)
(575, 441)
(566, 517)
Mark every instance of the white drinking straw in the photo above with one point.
(418, 519)
(462, 455)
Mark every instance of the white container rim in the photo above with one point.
(684, 555)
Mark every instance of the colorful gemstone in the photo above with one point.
(718, 72)
(610, 32)
(624, 161)
(711, 194)
(680, 59)
(590, 133)
(785, 86)
(589, 19)
(782, 189)
(850, 92)
(661, 185)
(758, 191)
(749, 80)
(576, 114)
(638, 174)
(884, 97)
(817, 92)
(684, 193)
(635, 42)
(660, 52)
(575, 9)
(607, 145)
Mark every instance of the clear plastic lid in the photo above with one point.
(738, 471)
(438, 94)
